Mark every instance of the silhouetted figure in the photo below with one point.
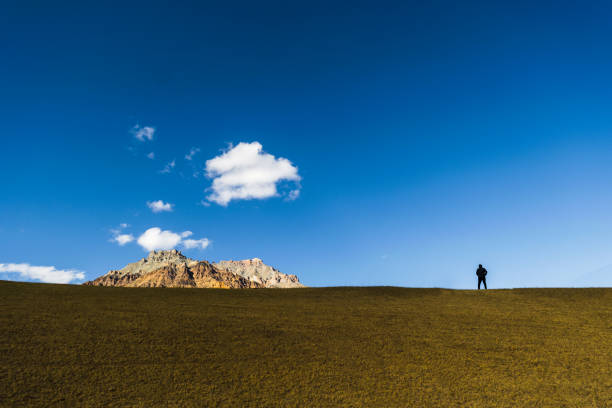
(481, 273)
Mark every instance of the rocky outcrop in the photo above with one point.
(171, 269)
(156, 260)
(257, 271)
(195, 275)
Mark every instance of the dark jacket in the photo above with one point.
(481, 272)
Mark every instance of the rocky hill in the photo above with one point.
(172, 269)
(256, 271)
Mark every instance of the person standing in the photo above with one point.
(481, 273)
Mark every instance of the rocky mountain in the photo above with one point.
(172, 269)
(256, 271)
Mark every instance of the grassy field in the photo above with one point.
(63, 345)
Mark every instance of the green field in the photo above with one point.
(63, 345)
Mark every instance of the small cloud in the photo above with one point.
(168, 167)
(192, 152)
(245, 172)
(159, 206)
(155, 238)
(204, 203)
(47, 274)
(118, 236)
(151, 155)
(293, 195)
(143, 133)
(196, 243)
(122, 239)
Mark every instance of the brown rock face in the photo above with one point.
(257, 271)
(171, 269)
(195, 275)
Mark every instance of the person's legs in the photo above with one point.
(479, 282)
(484, 280)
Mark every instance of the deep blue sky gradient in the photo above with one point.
(429, 137)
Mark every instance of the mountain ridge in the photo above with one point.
(170, 268)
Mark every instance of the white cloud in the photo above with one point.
(143, 133)
(48, 274)
(151, 155)
(293, 195)
(168, 167)
(196, 243)
(155, 238)
(159, 206)
(245, 172)
(192, 152)
(122, 239)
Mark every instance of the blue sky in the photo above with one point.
(406, 142)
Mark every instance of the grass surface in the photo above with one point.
(63, 345)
